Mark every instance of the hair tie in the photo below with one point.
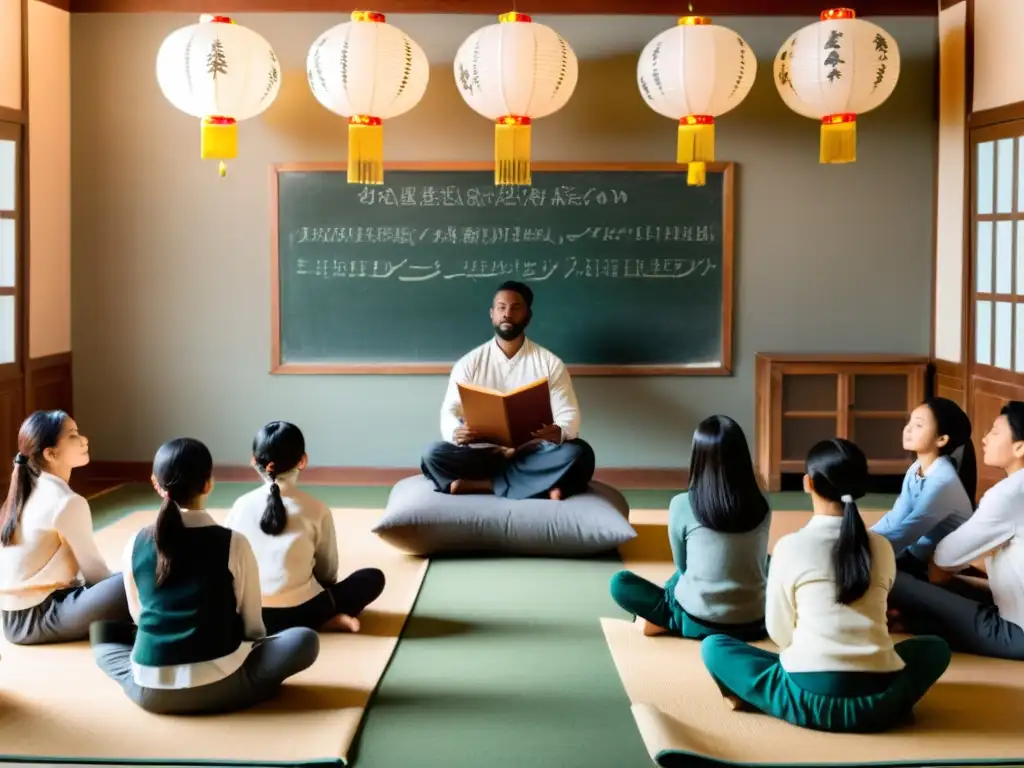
(846, 498)
(20, 459)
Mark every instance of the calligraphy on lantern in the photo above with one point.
(453, 196)
(407, 270)
(453, 235)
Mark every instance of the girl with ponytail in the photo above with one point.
(193, 590)
(938, 489)
(53, 580)
(293, 536)
(828, 584)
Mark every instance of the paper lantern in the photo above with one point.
(834, 70)
(515, 72)
(693, 73)
(368, 71)
(222, 73)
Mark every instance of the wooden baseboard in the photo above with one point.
(139, 472)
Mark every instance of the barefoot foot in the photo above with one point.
(342, 623)
(555, 494)
(650, 629)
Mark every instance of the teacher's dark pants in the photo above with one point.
(568, 466)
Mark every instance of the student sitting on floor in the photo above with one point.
(47, 549)
(718, 531)
(979, 620)
(194, 591)
(937, 490)
(826, 610)
(292, 534)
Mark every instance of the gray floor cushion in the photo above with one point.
(421, 521)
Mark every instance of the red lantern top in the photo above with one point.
(833, 14)
(211, 19)
(512, 16)
(368, 16)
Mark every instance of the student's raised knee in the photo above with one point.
(304, 647)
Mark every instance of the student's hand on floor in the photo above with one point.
(938, 575)
(552, 433)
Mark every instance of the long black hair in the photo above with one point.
(181, 467)
(723, 490)
(839, 472)
(950, 420)
(39, 431)
(277, 448)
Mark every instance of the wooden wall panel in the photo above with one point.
(48, 384)
(950, 382)
(12, 403)
(988, 397)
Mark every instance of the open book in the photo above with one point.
(507, 418)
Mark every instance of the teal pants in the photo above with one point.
(840, 702)
(659, 606)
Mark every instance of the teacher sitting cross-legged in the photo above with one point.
(553, 463)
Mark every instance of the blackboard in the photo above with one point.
(632, 269)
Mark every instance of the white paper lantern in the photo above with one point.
(834, 70)
(513, 73)
(693, 73)
(222, 73)
(368, 71)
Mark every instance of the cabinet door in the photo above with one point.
(810, 413)
(878, 410)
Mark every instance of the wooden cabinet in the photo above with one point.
(801, 399)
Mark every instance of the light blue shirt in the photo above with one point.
(928, 509)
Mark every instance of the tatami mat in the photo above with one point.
(55, 704)
(971, 717)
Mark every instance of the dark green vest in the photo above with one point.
(193, 616)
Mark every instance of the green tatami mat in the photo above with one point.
(503, 663)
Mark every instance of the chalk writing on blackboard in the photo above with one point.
(455, 235)
(572, 268)
(453, 196)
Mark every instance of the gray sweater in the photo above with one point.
(722, 574)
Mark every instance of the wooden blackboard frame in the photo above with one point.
(727, 169)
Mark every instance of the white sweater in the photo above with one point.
(994, 531)
(814, 632)
(53, 547)
(295, 563)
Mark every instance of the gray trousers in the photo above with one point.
(271, 661)
(568, 466)
(960, 613)
(65, 615)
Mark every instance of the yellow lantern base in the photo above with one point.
(218, 140)
(838, 139)
(696, 147)
(365, 150)
(512, 151)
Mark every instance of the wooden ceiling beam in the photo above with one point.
(809, 8)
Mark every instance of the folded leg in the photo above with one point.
(567, 466)
(444, 463)
(964, 616)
